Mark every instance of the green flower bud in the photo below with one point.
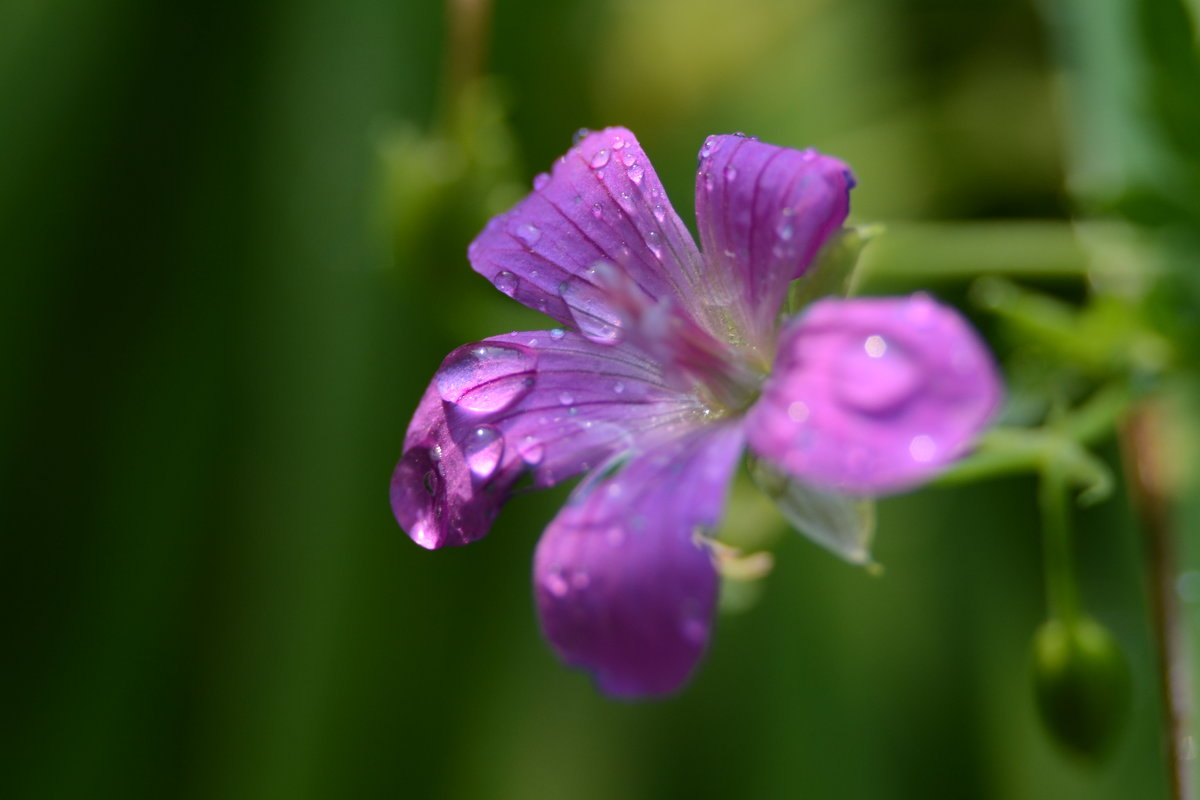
(1081, 682)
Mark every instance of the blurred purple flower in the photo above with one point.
(671, 361)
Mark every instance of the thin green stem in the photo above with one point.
(1062, 591)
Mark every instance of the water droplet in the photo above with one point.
(580, 135)
(920, 311)
(619, 387)
(557, 333)
(660, 213)
(798, 411)
(654, 242)
(623, 253)
(600, 158)
(694, 630)
(730, 174)
(506, 282)
(625, 200)
(540, 180)
(873, 377)
(566, 398)
(487, 377)
(483, 450)
(528, 233)
(785, 230)
(628, 159)
(708, 182)
(635, 173)
(617, 143)
(531, 451)
(598, 210)
(710, 146)
(556, 584)
(431, 483)
(808, 154)
(922, 449)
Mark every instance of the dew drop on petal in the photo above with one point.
(556, 584)
(617, 143)
(730, 174)
(600, 158)
(566, 398)
(628, 159)
(528, 233)
(660, 213)
(873, 377)
(635, 173)
(580, 135)
(486, 378)
(506, 282)
(598, 210)
(694, 630)
(540, 180)
(557, 333)
(785, 231)
(431, 483)
(710, 146)
(654, 242)
(483, 450)
(619, 387)
(531, 451)
(922, 449)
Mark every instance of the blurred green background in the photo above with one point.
(233, 254)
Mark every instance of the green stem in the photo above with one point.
(1062, 591)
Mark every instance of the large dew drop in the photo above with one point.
(483, 450)
(875, 376)
(486, 377)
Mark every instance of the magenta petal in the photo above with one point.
(549, 402)
(601, 203)
(625, 586)
(763, 213)
(874, 395)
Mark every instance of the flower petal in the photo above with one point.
(601, 203)
(549, 402)
(625, 587)
(763, 213)
(874, 395)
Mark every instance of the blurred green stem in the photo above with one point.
(1062, 591)
(468, 23)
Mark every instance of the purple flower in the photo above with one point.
(672, 361)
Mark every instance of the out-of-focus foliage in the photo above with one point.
(233, 239)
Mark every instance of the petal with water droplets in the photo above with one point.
(875, 395)
(625, 586)
(552, 403)
(594, 207)
(763, 213)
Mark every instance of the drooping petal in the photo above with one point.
(875, 395)
(549, 402)
(763, 213)
(601, 203)
(625, 586)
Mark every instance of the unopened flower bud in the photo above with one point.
(1081, 682)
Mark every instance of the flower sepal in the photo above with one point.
(842, 524)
